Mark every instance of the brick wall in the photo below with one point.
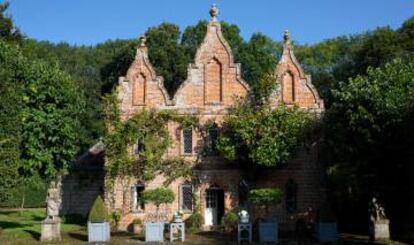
(213, 83)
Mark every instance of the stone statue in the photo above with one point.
(53, 200)
(378, 222)
(376, 211)
(51, 225)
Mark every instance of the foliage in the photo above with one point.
(51, 120)
(370, 130)
(28, 193)
(8, 31)
(99, 212)
(193, 222)
(266, 196)
(262, 135)
(148, 126)
(158, 196)
(137, 221)
(11, 65)
(230, 221)
(115, 217)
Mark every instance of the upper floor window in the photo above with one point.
(187, 140)
(186, 197)
(139, 146)
(212, 138)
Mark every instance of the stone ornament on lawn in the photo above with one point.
(51, 225)
(378, 223)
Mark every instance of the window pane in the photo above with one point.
(213, 135)
(188, 140)
(187, 197)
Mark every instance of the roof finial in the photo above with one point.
(142, 40)
(214, 11)
(286, 37)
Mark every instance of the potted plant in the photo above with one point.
(326, 229)
(98, 222)
(137, 225)
(266, 197)
(154, 231)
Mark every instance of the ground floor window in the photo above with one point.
(137, 202)
(187, 197)
(291, 196)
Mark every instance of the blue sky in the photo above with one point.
(309, 21)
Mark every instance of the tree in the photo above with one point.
(369, 139)
(167, 55)
(51, 116)
(266, 197)
(11, 65)
(258, 57)
(255, 133)
(8, 31)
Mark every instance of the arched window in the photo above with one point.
(138, 90)
(213, 82)
(288, 88)
(291, 196)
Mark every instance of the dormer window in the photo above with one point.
(187, 140)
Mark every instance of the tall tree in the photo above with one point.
(51, 116)
(8, 31)
(11, 64)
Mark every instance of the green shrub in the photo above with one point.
(266, 196)
(99, 212)
(137, 221)
(115, 218)
(193, 223)
(158, 196)
(230, 221)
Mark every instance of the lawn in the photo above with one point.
(24, 228)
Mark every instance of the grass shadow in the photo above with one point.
(6, 212)
(78, 236)
(34, 234)
(11, 225)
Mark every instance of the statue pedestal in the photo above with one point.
(50, 230)
(380, 230)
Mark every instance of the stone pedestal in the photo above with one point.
(242, 229)
(177, 228)
(50, 230)
(380, 230)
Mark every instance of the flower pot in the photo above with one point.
(154, 232)
(268, 231)
(327, 231)
(99, 232)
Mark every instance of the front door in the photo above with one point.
(214, 206)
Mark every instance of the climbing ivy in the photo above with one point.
(150, 128)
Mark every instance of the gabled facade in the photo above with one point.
(213, 84)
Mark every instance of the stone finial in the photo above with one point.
(214, 11)
(286, 37)
(142, 40)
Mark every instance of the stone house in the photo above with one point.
(213, 83)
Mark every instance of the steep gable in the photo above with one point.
(141, 87)
(214, 80)
(295, 87)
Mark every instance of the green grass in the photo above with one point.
(24, 227)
